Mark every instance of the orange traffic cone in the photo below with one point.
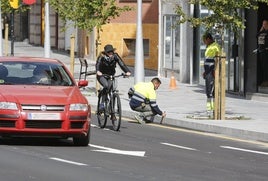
(172, 82)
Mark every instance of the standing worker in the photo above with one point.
(143, 100)
(212, 50)
(262, 37)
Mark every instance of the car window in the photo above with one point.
(33, 73)
(59, 76)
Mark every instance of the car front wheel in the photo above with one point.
(82, 140)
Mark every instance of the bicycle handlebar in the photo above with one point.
(115, 76)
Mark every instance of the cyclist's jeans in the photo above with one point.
(105, 83)
(146, 110)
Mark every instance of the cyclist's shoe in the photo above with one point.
(139, 118)
(101, 107)
(113, 117)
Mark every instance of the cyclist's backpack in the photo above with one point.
(130, 92)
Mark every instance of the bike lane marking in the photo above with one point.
(68, 161)
(178, 146)
(244, 150)
(116, 151)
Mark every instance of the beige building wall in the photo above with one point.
(35, 24)
(37, 29)
(115, 34)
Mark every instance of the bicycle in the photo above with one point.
(112, 104)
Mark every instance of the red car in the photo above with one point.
(39, 97)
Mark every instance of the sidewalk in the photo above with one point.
(184, 105)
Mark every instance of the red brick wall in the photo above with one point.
(149, 13)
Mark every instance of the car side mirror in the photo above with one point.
(82, 83)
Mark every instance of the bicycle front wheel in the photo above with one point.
(116, 122)
(102, 111)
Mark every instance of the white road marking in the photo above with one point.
(178, 146)
(116, 151)
(245, 150)
(209, 134)
(68, 161)
(94, 126)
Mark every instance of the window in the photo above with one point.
(171, 42)
(130, 48)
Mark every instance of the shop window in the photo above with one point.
(171, 43)
(130, 48)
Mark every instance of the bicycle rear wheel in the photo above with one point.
(117, 112)
(101, 113)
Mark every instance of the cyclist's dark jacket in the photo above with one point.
(107, 65)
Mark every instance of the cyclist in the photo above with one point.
(106, 64)
(144, 100)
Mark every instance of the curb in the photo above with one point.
(204, 127)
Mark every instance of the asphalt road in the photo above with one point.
(136, 153)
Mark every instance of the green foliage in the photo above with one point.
(87, 14)
(225, 14)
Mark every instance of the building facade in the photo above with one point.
(120, 32)
(182, 49)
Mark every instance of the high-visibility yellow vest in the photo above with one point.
(146, 89)
(212, 50)
(14, 4)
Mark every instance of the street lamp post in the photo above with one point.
(1, 34)
(12, 33)
(139, 54)
(47, 31)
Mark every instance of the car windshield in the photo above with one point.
(33, 73)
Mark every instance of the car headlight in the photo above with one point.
(8, 105)
(78, 107)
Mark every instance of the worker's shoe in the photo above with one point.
(149, 119)
(209, 108)
(139, 118)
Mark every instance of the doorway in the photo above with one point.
(262, 66)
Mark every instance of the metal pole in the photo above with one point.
(160, 40)
(47, 31)
(139, 55)
(1, 33)
(6, 40)
(12, 33)
(97, 44)
(216, 89)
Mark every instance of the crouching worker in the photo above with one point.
(144, 101)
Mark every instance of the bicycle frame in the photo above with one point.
(112, 78)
